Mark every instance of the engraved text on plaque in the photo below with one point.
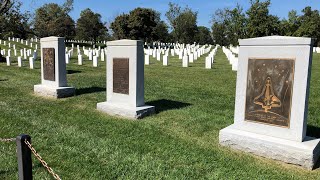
(49, 64)
(121, 75)
(269, 91)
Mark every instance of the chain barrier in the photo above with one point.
(44, 163)
(7, 139)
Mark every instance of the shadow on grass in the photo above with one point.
(15, 170)
(73, 71)
(4, 80)
(89, 90)
(164, 105)
(313, 131)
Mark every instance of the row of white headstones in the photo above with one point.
(93, 55)
(25, 53)
(188, 54)
(233, 60)
(230, 53)
(316, 49)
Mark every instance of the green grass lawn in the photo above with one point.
(179, 142)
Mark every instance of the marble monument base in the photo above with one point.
(54, 92)
(304, 153)
(132, 113)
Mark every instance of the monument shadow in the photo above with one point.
(4, 80)
(73, 71)
(165, 105)
(89, 90)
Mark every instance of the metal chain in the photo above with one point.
(7, 139)
(44, 163)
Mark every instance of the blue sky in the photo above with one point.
(109, 9)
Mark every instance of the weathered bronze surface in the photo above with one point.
(269, 91)
(49, 64)
(121, 75)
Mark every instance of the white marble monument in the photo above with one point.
(271, 108)
(125, 80)
(53, 69)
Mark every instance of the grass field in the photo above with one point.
(179, 142)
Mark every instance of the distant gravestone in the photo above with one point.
(53, 69)
(272, 101)
(125, 80)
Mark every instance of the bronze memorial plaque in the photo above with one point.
(269, 91)
(121, 75)
(49, 64)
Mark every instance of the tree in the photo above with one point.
(4, 6)
(218, 34)
(90, 27)
(260, 22)
(120, 27)
(204, 36)
(234, 23)
(141, 23)
(183, 22)
(309, 24)
(290, 26)
(160, 32)
(54, 20)
(14, 23)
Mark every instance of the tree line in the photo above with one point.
(228, 25)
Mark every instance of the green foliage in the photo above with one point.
(120, 27)
(229, 26)
(218, 34)
(160, 32)
(203, 36)
(142, 24)
(309, 24)
(90, 27)
(260, 22)
(4, 6)
(54, 20)
(13, 23)
(183, 23)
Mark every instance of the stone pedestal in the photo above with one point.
(303, 153)
(53, 69)
(125, 80)
(272, 101)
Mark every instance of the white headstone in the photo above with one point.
(146, 59)
(208, 63)
(19, 61)
(31, 62)
(67, 58)
(165, 60)
(80, 59)
(185, 61)
(95, 61)
(8, 60)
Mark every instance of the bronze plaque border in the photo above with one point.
(293, 80)
(121, 91)
(49, 72)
